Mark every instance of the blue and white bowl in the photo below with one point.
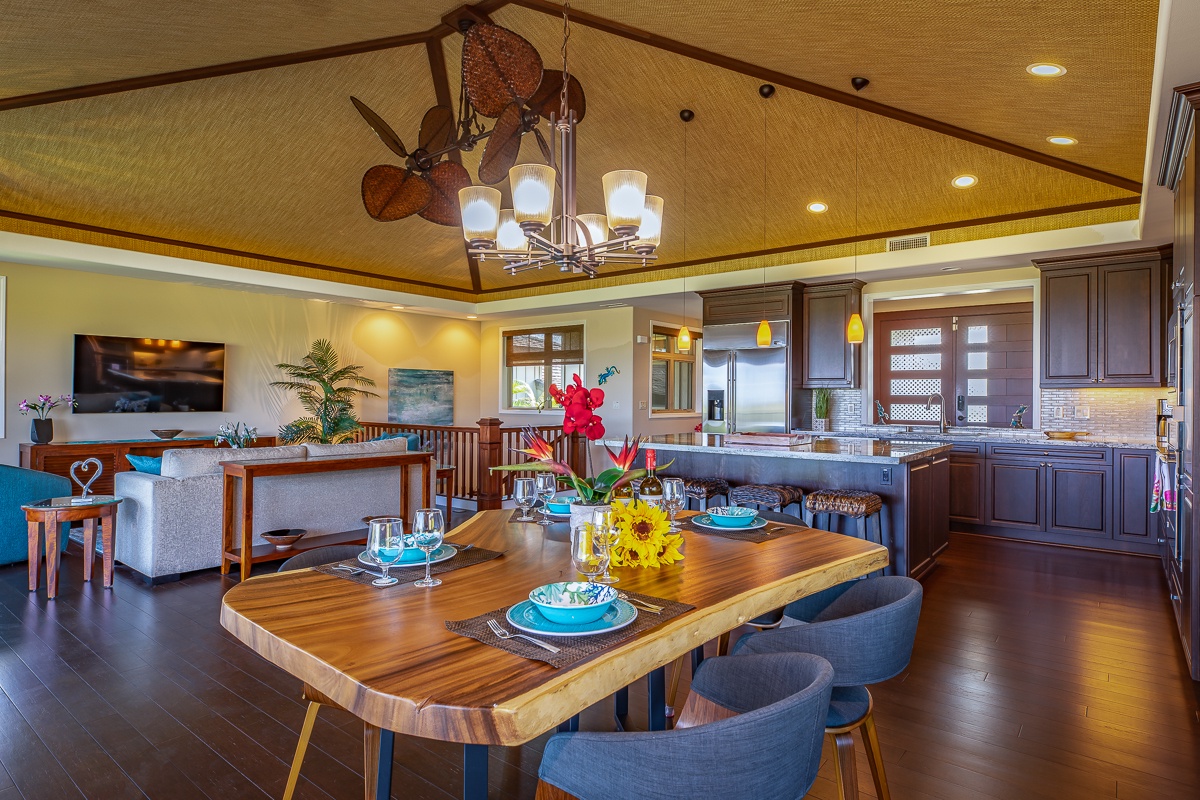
(573, 603)
(560, 505)
(732, 516)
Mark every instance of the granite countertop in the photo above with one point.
(823, 448)
(1028, 437)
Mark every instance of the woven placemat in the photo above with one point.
(572, 650)
(536, 515)
(407, 574)
(777, 531)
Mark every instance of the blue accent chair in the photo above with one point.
(18, 487)
(866, 630)
(758, 733)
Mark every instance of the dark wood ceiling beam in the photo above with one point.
(663, 271)
(824, 92)
(217, 70)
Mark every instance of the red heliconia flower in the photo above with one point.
(594, 430)
(629, 450)
(576, 417)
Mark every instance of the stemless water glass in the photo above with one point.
(674, 498)
(604, 521)
(547, 485)
(524, 493)
(428, 533)
(385, 545)
(589, 550)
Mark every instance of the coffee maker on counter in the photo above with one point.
(1162, 419)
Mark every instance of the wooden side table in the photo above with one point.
(96, 511)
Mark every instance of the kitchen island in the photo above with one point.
(911, 478)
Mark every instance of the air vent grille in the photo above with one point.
(908, 242)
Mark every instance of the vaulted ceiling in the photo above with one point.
(223, 131)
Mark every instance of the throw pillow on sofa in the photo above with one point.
(147, 464)
(414, 439)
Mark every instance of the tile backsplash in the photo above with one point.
(1110, 412)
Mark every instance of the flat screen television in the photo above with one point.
(117, 374)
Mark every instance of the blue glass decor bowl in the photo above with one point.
(573, 603)
(732, 516)
(560, 505)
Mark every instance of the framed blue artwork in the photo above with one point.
(421, 396)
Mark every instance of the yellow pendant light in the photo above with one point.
(764, 334)
(855, 333)
(854, 330)
(685, 338)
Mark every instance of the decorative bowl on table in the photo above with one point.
(1065, 435)
(574, 602)
(284, 538)
(167, 433)
(560, 505)
(732, 516)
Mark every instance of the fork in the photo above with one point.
(642, 604)
(503, 634)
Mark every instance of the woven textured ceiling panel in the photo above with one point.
(54, 44)
(958, 61)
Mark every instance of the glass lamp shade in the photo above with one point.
(764, 334)
(625, 200)
(480, 214)
(597, 227)
(854, 330)
(510, 236)
(650, 231)
(684, 339)
(533, 194)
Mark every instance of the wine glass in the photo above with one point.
(385, 545)
(524, 494)
(547, 485)
(428, 533)
(589, 550)
(604, 521)
(674, 497)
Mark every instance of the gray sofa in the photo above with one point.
(171, 523)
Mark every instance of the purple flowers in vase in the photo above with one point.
(45, 404)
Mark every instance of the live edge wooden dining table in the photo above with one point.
(387, 657)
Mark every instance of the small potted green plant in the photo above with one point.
(821, 409)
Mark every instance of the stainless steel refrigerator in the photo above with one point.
(746, 387)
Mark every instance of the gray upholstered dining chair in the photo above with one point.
(866, 630)
(303, 560)
(752, 727)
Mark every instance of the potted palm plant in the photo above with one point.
(821, 409)
(327, 390)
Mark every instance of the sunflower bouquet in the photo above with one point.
(643, 536)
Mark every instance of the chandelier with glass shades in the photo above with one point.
(530, 235)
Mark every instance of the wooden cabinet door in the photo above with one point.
(1130, 325)
(918, 556)
(1133, 477)
(1015, 495)
(828, 358)
(1078, 499)
(966, 489)
(939, 506)
(1069, 327)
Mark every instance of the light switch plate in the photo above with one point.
(643, 405)
(1083, 412)
(1060, 412)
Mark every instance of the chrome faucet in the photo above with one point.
(942, 410)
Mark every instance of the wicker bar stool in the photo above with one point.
(865, 507)
(775, 496)
(705, 489)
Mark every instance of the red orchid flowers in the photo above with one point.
(579, 404)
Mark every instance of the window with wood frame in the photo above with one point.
(672, 372)
(537, 357)
(980, 359)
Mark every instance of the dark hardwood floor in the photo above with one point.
(1039, 673)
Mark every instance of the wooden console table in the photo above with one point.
(57, 457)
(245, 472)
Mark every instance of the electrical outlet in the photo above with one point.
(885, 476)
(1082, 412)
(1060, 412)
(643, 405)
(617, 404)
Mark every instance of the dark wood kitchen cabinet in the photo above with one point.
(1103, 319)
(829, 360)
(928, 528)
(1015, 494)
(966, 484)
(1078, 499)
(1133, 478)
(774, 301)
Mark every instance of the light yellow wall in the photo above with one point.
(644, 422)
(46, 307)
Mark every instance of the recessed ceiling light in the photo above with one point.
(964, 181)
(951, 269)
(1061, 140)
(818, 207)
(977, 291)
(1046, 70)
(472, 316)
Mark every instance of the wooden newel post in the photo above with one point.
(491, 454)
